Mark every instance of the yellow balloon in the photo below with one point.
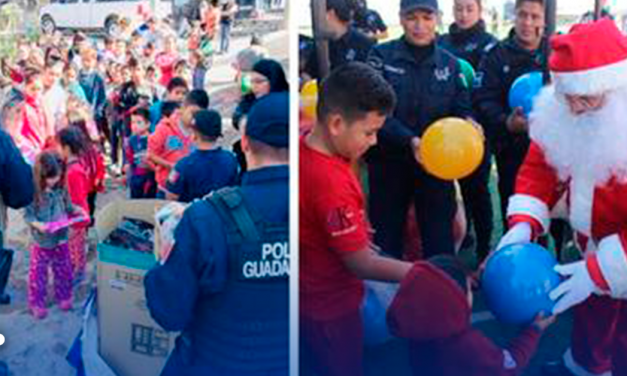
(309, 98)
(451, 148)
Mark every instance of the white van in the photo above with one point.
(95, 14)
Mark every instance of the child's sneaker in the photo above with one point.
(39, 313)
(65, 305)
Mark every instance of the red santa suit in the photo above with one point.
(583, 159)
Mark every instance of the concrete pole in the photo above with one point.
(318, 12)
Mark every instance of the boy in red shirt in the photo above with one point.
(169, 144)
(336, 252)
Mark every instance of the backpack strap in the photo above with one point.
(232, 208)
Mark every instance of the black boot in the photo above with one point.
(555, 368)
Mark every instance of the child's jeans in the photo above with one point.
(76, 244)
(40, 260)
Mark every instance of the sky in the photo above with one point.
(389, 8)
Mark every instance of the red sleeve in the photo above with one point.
(157, 140)
(521, 350)
(100, 172)
(537, 178)
(343, 221)
(78, 188)
(608, 266)
(476, 352)
(537, 191)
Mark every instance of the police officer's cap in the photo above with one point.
(208, 123)
(269, 119)
(408, 6)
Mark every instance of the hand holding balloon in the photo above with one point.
(517, 121)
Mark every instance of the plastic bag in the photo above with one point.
(167, 219)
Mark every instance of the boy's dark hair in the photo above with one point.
(342, 9)
(175, 83)
(48, 164)
(180, 63)
(143, 112)
(133, 63)
(454, 268)
(519, 3)
(353, 90)
(197, 97)
(168, 108)
(74, 138)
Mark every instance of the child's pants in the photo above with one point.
(76, 243)
(332, 347)
(40, 260)
(599, 338)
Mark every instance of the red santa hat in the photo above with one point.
(590, 59)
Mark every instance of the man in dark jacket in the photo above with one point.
(428, 86)
(468, 39)
(225, 282)
(506, 128)
(347, 44)
(16, 191)
(16, 188)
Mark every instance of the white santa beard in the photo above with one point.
(591, 147)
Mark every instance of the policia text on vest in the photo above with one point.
(274, 262)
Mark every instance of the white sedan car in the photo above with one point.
(96, 14)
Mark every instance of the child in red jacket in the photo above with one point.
(432, 310)
(74, 146)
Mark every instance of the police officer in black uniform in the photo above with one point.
(428, 84)
(225, 282)
(522, 52)
(468, 39)
(369, 21)
(347, 44)
(16, 191)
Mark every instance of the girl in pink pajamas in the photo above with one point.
(51, 205)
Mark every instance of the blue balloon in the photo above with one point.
(378, 297)
(517, 280)
(524, 90)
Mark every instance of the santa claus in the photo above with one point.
(579, 152)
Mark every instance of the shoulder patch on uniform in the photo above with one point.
(442, 74)
(508, 360)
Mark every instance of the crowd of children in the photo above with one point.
(133, 108)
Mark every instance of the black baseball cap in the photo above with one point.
(268, 120)
(208, 123)
(408, 6)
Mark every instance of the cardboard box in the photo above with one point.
(130, 342)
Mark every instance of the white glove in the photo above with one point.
(520, 233)
(574, 290)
